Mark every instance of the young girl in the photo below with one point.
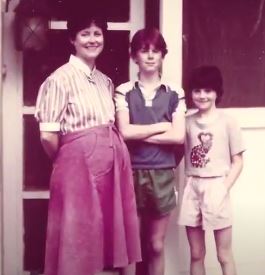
(213, 162)
(150, 116)
(92, 219)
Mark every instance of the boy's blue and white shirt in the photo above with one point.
(148, 107)
(123, 89)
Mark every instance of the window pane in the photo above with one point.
(229, 34)
(38, 65)
(114, 61)
(37, 166)
(115, 10)
(35, 223)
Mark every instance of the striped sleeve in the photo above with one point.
(51, 105)
(111, 87)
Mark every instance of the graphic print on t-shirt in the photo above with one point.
(198, 155)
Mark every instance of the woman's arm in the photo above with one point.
(236, 168)
(50, 143)
(50, 108)
(137, 131)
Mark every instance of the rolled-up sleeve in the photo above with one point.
(121, 103)
(236, 143)
(181, 106)
(51, 105)
(111, 87)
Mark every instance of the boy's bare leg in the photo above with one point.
(223, 240)
(196, 238)
(156, 241)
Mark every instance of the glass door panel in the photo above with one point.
(37, 166)
(35, 222)
(115, 10)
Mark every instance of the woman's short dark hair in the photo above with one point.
(83, 19)
(144, 38)
(207, 77)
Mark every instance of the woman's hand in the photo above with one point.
(50, 143)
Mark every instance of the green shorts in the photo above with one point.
(154, 190)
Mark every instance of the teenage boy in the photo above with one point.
(151, 118)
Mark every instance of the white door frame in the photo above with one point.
(171, 13)
(12, 153)
(171, 16)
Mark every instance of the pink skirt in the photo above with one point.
(92, 219)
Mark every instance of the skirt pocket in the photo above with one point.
(100, 162)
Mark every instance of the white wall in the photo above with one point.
(171, 28)
(248, 195)
(1, 193)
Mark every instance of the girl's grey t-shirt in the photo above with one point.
(210, 146)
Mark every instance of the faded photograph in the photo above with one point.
(132, 137)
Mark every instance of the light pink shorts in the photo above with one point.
(206, 203)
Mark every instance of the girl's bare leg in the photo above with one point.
(196, 238)
(223, 241)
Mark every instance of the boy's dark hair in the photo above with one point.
(83, 19)
(206, 77)
(144, 38)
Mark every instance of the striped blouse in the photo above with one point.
(75, 98)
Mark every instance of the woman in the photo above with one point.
(92, 220)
